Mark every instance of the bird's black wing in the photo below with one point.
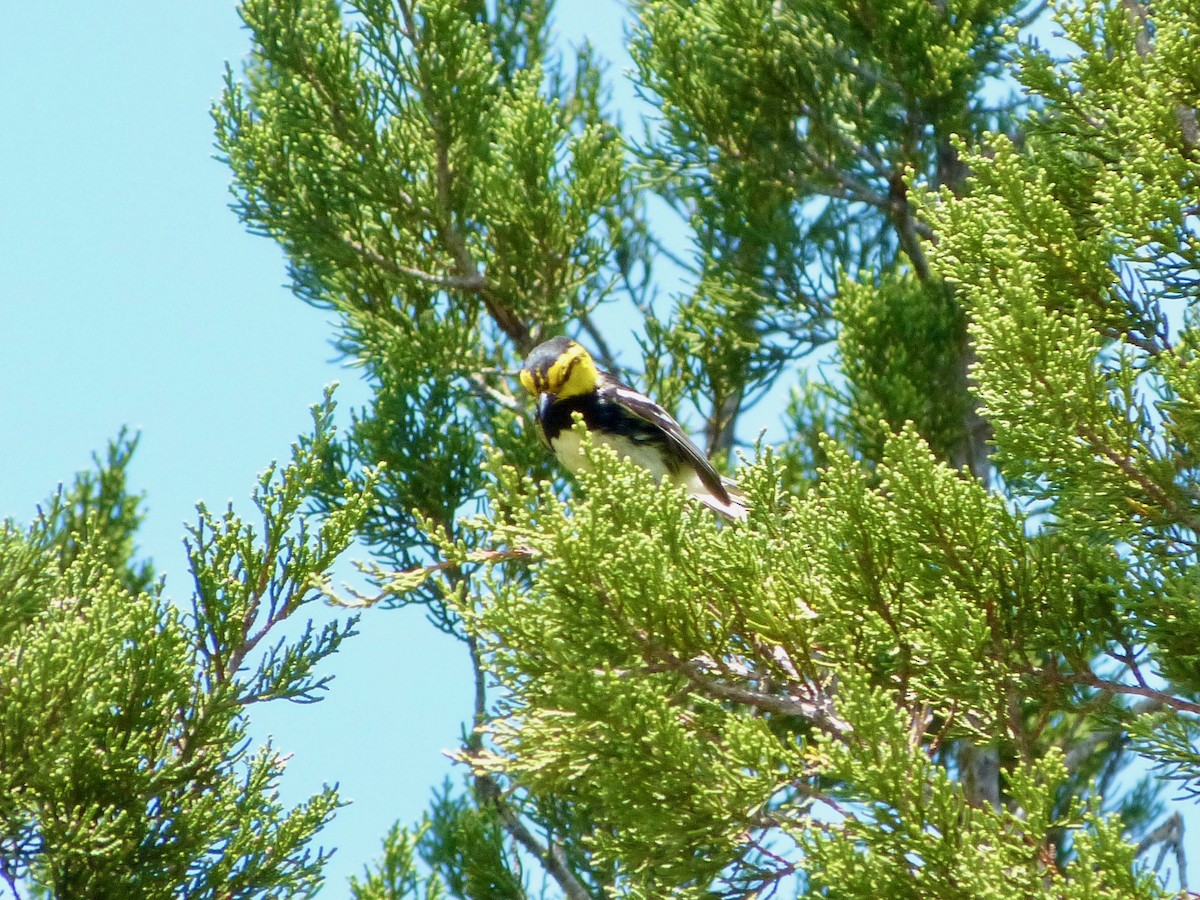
(642, 407)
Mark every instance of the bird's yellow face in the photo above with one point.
(560, 367)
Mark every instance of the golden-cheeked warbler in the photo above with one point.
(565, 379)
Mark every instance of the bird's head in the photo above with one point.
(561, 367)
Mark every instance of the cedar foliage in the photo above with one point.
(125, 767)
(964, 599)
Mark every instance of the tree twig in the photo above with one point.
(488, 793)
(504, 317)
(1091, 679)
(604, 353)
(9, 879)
(1170, 835)
(819, 711)
(460, 282)
(469, 275)
(550, 855)
(480, 387)
(1157, 494)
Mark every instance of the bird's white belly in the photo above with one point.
(569, 452)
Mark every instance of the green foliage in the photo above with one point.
(963, 597)
(455, 161)
(783, 130)
(96, 503)
(124, 762)
(397, 876)
(1080, 364)
(464, 846)
(900, 345)
(444, 173)
(917, 838)
(677, 696)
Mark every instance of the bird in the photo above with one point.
(565, 379)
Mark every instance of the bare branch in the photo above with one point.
(900, 211)
(844, 184)
(1149, 346)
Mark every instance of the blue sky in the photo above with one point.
(130, 295)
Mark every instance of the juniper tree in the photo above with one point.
(964, 598)
(125, 766)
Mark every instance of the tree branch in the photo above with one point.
(901, 213)
(819, 711)
(504, 317)
(479, 386)
(604, 353)
(9, 879)
(550, 856)
(469, 276)
(489, 793)
(1170, 835)
(450, 282)
(1091, 679)
(1157, 494)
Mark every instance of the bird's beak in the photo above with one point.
(544, 401)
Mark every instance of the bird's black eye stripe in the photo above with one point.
(566, 375)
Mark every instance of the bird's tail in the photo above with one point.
(738, 507)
